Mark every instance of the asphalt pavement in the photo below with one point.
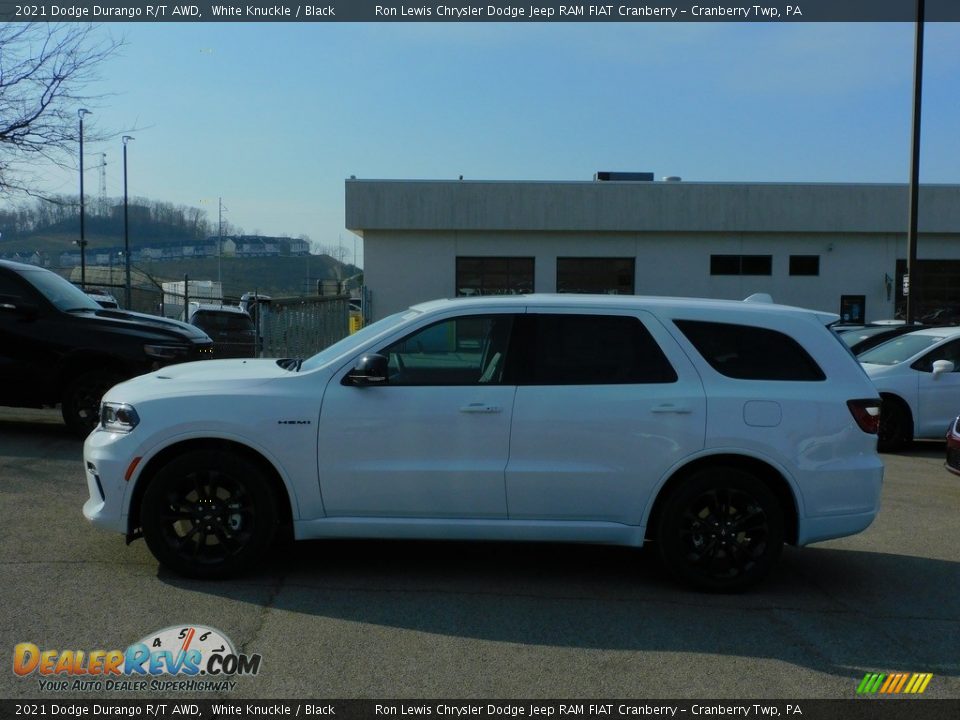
(471, 620)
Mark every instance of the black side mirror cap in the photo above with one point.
(370, 370)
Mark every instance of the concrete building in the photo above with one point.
(833, 247)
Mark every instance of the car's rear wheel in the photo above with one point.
(896, 425)
(721, 529)
(208, 514)
(80, 404)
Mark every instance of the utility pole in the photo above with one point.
(83, 240)
(912, 270)
(126, 226)
(220, 244)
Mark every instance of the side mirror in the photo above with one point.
(370, 370)
(942, 366)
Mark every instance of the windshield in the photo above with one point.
(62, 293)
(855, 336)
(222, 322)
(350, 342)
(899, 349)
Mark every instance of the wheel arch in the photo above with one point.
(277, 485)
(762, 470)
(897, 399)
(891, 402)
(78, 363)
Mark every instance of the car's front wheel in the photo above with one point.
(80, 404)
(208, 514)
(721, 529)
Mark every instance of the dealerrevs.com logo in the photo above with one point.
(186, 658)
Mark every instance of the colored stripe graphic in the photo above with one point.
(903, 680)
(894, 683)
(918, 683)
(870, 683)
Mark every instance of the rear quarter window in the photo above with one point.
(745, 352)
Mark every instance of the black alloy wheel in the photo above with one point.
(721, 530)
(208, 514)
(80, 404)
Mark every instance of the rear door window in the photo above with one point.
(574, 349)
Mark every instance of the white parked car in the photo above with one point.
(918, 376)
(716, 429)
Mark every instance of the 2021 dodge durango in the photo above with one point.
(717, 430)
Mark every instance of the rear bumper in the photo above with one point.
(843, 503)
(834, 526)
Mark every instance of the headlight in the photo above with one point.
(166, 352)
(118, 417)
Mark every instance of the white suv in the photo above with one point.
(716, 429)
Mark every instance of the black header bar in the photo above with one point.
(480, 709)
(476, 11)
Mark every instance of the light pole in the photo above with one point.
(126, 225)
(83, 241)
(913, 272)
(220, 244)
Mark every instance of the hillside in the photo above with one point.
(278, 276)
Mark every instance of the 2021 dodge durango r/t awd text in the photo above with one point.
(718, 430)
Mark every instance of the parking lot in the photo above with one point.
(421, 620)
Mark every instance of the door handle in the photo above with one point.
(480, 408)
(669, 408)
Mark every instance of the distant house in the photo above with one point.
(69, 259)
(294, 247)
(257, 246)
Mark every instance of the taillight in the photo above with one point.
(866, 413)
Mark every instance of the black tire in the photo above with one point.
(80, 404)
(721, 530)
(896, 426)
(208, 514)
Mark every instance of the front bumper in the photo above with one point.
(106, 457)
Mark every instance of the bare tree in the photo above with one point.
(45, 70)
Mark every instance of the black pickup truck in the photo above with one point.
(57, 345)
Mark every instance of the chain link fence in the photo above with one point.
(295, 327)
(301, 327)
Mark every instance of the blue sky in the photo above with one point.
(273, 117)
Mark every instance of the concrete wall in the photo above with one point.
(414, 231)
